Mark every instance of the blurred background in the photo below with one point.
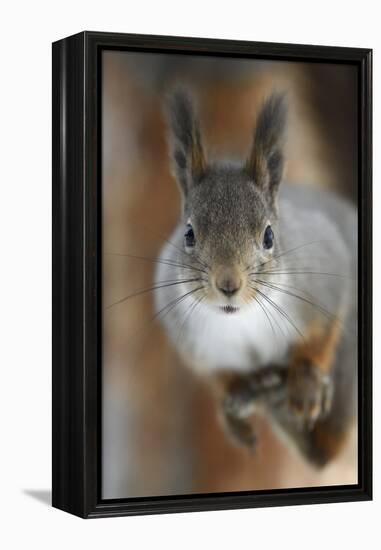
(160, 430)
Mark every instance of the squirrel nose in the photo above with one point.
(228, 283)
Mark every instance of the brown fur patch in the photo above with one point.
(257, 164)
(319, 346)
(198, 156)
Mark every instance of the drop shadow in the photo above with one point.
(42, 495)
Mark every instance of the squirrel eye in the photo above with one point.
(268, 238)
(189, 237)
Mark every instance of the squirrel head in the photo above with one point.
(229, 208)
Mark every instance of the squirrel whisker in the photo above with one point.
(292, 272)
(290, 250)
(168, 241)
(264, 309)
(319, 307)
(163, 261)
(269, 311)
(189, 313)
(174, 303)
(155, 287)
(306, 300)
(281, 311)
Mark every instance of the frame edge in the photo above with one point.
(68, 390)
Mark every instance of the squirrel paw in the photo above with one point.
(310, 393)
(242, 397)
(247, 391)
(238, 405)
(239, 402)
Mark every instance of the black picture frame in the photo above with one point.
(77, 319)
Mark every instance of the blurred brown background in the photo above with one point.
(160, 429)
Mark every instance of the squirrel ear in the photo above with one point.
(188, 158)
(266, 161)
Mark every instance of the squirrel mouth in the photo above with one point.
(229, 309)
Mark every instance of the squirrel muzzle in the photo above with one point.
(228, 281)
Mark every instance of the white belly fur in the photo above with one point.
(211, 340)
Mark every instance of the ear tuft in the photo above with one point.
(187, 152)
(266, 161)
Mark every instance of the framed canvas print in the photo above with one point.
(211, 274)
